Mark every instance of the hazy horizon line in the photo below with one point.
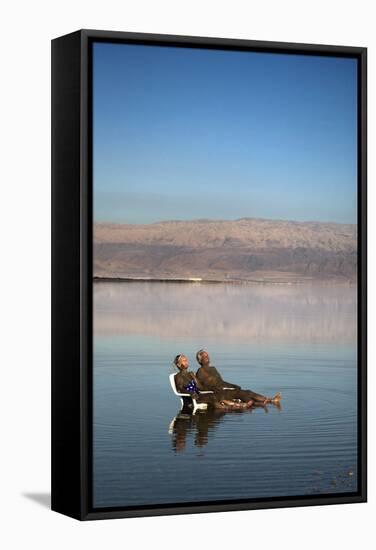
(213, 220)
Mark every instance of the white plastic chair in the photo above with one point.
(186, 398)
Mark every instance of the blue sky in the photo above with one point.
(185, 133)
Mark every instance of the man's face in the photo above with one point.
(205, 360)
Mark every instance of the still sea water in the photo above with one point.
(297, 339)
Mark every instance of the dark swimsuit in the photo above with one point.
(192, 387)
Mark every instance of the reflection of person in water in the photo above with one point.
(187, 382)
(201, 425)
(181, 427)
(210, 379)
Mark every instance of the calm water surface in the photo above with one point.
(300, 340)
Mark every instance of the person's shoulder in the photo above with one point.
(201, 373)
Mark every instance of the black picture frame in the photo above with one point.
(72, 235)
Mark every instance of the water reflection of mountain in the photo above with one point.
(242, 313)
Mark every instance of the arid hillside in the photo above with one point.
(245, 249)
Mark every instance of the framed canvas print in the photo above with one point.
(208, 274)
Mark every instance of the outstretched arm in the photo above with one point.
(230, 385)
(224, 383)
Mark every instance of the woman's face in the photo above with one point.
(183, 362)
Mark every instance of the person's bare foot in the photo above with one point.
(249, 404)
(277, 398)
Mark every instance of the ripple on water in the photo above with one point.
(146, 452)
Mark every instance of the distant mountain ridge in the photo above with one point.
(246, 249)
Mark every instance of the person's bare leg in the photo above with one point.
(247, 405)
(226, 403)
(247, 395)
(232, 404)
